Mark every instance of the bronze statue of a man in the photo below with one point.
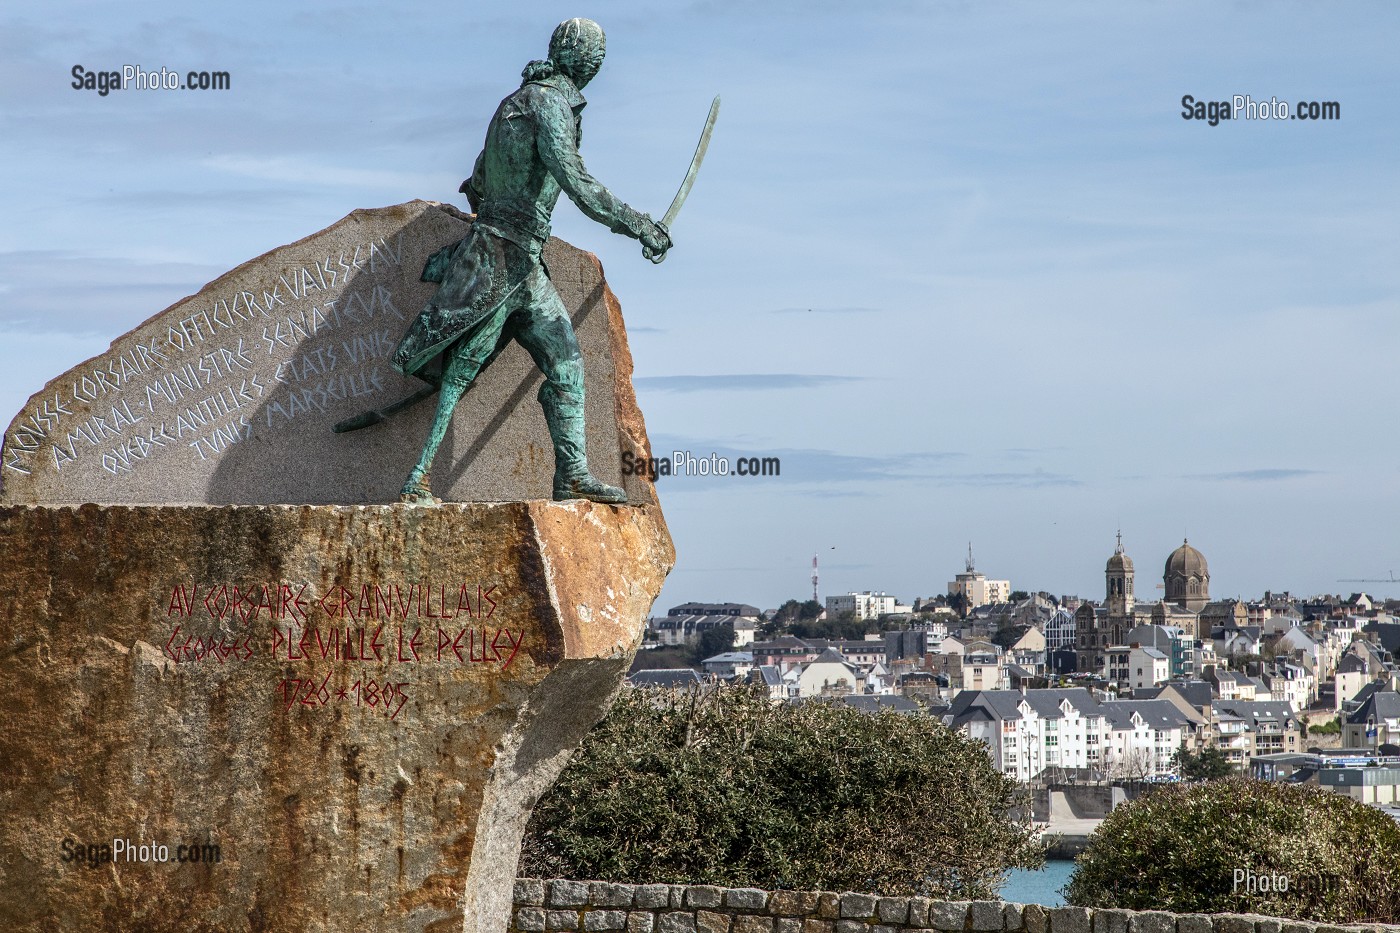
(495, 287)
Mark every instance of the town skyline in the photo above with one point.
(1376, 588)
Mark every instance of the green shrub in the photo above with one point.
(1179, 848)
(1207, 765)
(730, 789)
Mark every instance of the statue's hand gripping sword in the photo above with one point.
(375, 415)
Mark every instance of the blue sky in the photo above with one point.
(962, 266)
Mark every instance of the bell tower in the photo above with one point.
(1118, 580)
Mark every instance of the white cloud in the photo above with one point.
(302, 171)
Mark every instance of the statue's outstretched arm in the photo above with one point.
(555, 141)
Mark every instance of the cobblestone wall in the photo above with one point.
(601, 907)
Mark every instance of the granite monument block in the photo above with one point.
(242, 688)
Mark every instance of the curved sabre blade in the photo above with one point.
(375, 415)
(695, 161)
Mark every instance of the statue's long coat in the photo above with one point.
(531, 154)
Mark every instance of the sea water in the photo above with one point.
(1038, 887)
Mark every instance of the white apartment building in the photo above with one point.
(1027, 732)
(975, 586)
(1136, 666)
(1143, 737)
(1294, 684)
(865, 605)
(979, 590)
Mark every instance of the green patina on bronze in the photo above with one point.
(494, 285)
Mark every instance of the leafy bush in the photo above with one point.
(713, 641)
(730, 789)
(1180, 848)
(1208, 764)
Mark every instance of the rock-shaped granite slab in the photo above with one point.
(344, 713)
(229, 396)
(222, 713)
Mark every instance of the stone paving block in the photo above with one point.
(818, 926)
(892, 909)
(529, 892)
(746, 898)
(949, 916)
(1069, 920)
(641, 921)
(1233, 923)
(1152, 921)
(568, 894)
(651, 896)
(985, 916)
(529, 920)
(857, 906)
(787, 925)
(792, 903)
(606, 894)
(596, 921)
(753, 923)
(1112, 921)
(1011, 917)
(828, 905)
(707, 921)
(561, 919)
(918, 912)
(1194, 923)
(852, 926)
(1035, 919)
(704, 895)
(676, 921)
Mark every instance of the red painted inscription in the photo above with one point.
(371, 624)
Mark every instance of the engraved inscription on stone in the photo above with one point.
(192, 389)
(229, 396)
(372, 637)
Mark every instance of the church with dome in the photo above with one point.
(1186, 585)
(1187, 579)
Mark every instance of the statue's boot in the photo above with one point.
(571, 477)
(586, 486)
